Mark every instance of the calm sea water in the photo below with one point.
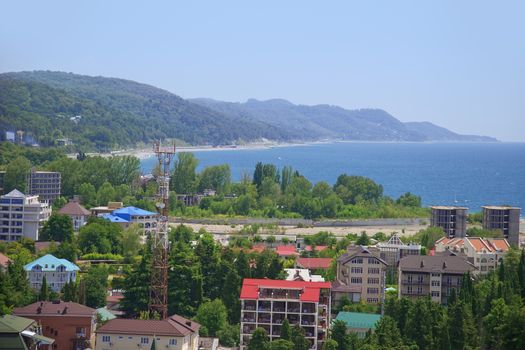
(442, 173)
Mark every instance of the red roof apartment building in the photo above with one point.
(72, 325)
(267, 303)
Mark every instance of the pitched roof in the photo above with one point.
(176, 326)
(14, 324)
(310, 291)
(74, 208)
(314, 263)
(113, 218)
(286, 250)
(4, 260)
(52, 308)
(49, 262)
(338, 286)
(132, 211)
(437, 263)
(360, 251)
(15, 194)
(358, 319)
(318, 248)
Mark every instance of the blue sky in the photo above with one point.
(459, 64)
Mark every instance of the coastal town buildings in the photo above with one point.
(20, 333)
(483, 253)
(174, 332)
(267, 303)
(394, 249)
(78, 214)
(361, 275)
(504, 218)
(433, 276)
(453, 220)
(72, 325)
(57, 272)
(44, 184)
(21, 216)
(126, 216)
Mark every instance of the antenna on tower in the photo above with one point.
(158, 302)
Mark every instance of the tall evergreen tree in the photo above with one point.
(230, 296)
(298, 338)
(285, 330)
(44, 290)
(136, 288)
(338, 333)
(259, 340)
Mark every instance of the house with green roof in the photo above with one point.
(20, 333)
(358, 322)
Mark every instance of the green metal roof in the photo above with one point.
(105, 314)
(358, 319)
(14, 324)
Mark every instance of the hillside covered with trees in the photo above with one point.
(103, 114)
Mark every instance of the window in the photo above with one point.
(419, 290)
(435, 294)
(373, 290)
(173, 342)
(373, 270)
(373, 280)
(356, 280)
(372, 300)
(357, 260)
(144, 340)
(106, 338)
(357, 270)
(435, 283)
(373, 261)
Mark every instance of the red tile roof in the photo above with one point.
(176, 326)
(286, 250)
(4, 260)
(310, 290)
(318, 248)
(257, 248)
(51, 308)
(74, 208)
(314, 263)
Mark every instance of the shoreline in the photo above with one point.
(145, 153)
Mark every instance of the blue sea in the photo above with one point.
(468, 174)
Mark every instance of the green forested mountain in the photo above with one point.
(114, 113)
(100, 113)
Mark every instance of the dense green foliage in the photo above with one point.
(273, 193)
(58, 228)
(114, 113)
(14, 289)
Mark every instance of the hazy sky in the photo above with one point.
(459, 64)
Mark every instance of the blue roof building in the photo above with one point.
(147, 220)
(359, 322)
(57, 272)
(130, 213)
(114, 218)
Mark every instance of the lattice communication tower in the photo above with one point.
(158, 302)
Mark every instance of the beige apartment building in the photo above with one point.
(360, 275)
(504, 218)
(173, 333)
(483, 253)
(433, 276)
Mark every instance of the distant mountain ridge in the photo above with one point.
(333, 122)
(115, 113)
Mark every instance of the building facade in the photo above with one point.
(433, 276)
(174, 332)
(44, 184)
(453, 220)
(126, 216)
(78, 214)
(21, 216)
(394, 249)
(72, 325)
(483, 253)
(506, 219)
(267, 303)
(364, 272)
(58, 272)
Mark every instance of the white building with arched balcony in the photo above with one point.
(57, 271)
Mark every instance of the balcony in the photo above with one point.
(415, 282)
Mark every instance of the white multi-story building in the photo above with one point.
(57, 271)
(21, 216)
(267, 303)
